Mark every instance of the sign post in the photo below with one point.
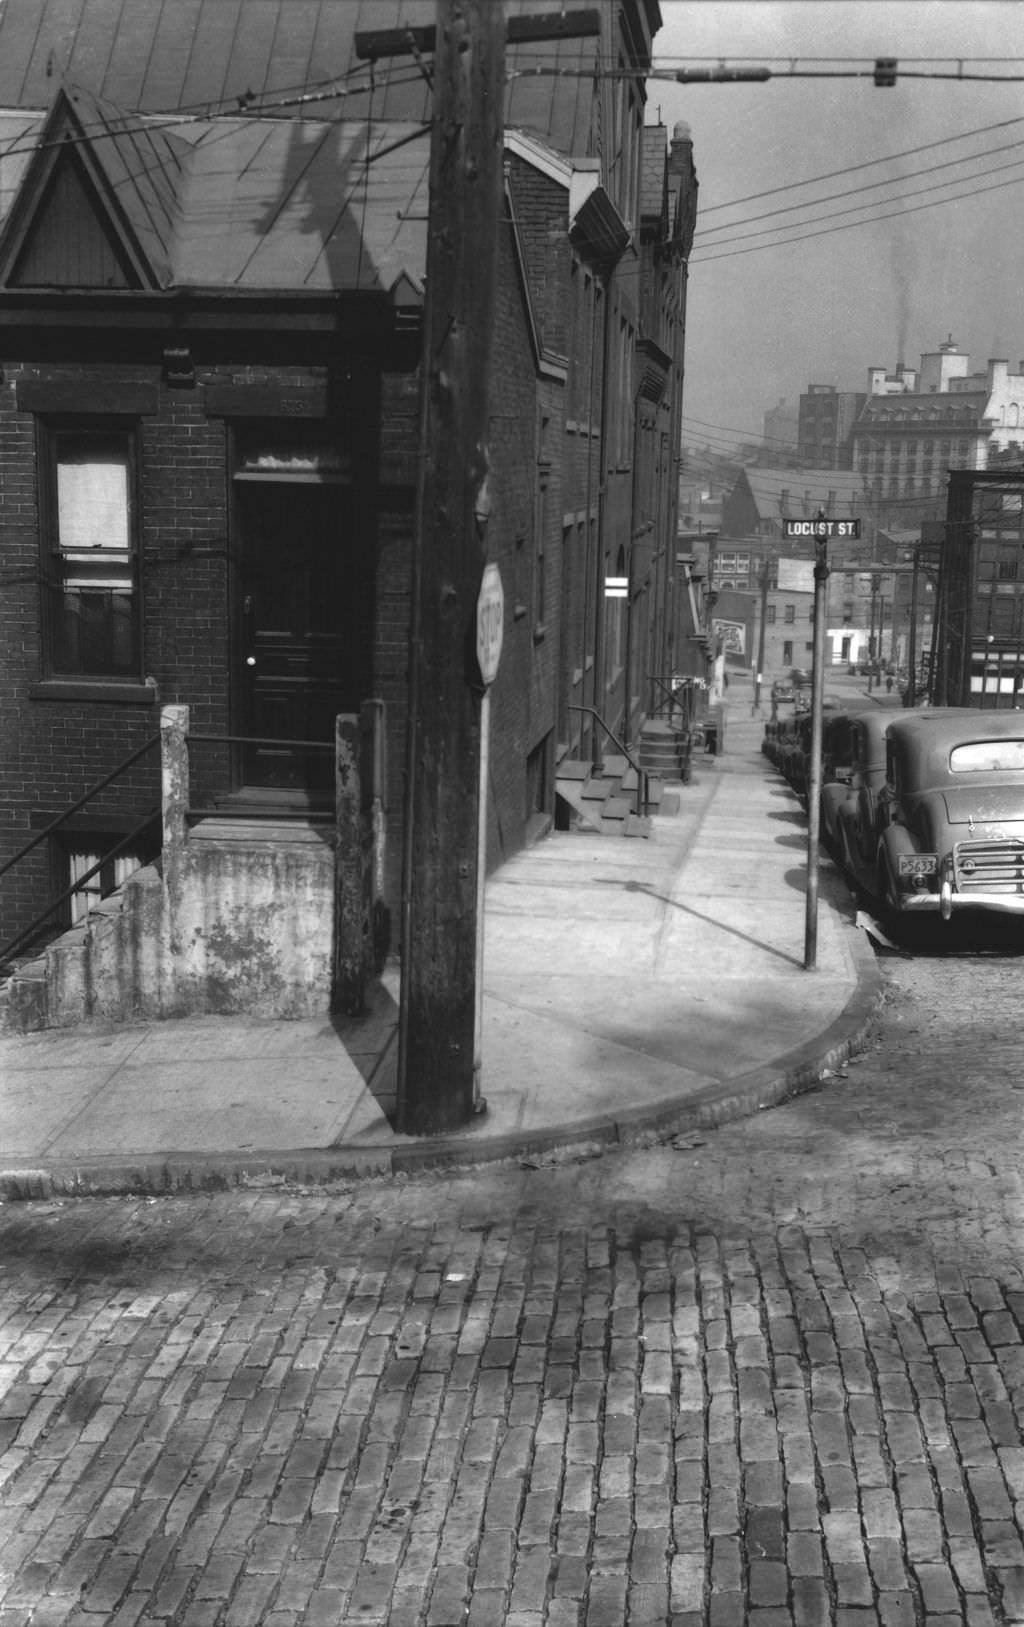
(490, 628)
(817, 706)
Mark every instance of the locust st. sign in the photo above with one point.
(821, 528)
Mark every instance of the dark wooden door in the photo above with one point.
(300, 627)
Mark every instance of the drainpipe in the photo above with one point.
(588, 503)
(602, 511)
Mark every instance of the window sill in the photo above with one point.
(112, 691)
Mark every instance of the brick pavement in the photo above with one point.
(771, 1375)
(450, 1403)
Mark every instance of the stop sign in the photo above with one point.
(490, 623)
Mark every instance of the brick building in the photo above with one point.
(825, 434)
(209, 417)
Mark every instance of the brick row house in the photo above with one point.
(211, 295)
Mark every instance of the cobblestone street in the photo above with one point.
(772, 1373)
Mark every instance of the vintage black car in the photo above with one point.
(950, 817)
(848, 809)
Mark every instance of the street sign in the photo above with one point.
(820, 528)
(490, 623)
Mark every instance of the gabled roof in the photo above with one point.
(132, 172)
(267, 204)
(806, 490)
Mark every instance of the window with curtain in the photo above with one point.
(90, 563)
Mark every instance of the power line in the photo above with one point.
(837, 214)
(850, 169)
(867, 186)
(826, 231)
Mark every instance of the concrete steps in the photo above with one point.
(603, 798)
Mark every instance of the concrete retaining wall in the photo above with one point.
(235, 918)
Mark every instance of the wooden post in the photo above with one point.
(821, 574)
(438, 999)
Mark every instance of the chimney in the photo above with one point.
(680, 150)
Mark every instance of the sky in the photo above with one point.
(764, 324)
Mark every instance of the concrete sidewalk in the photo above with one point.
(631, 988)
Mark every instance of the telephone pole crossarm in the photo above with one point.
(373, 45)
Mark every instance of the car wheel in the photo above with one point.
(885, 893)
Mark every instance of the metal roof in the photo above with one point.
(163, 56)
(258, 204)
(256, 183)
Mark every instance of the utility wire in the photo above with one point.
(826, 231)
(858, 208)
(867, 186)
(867, 163)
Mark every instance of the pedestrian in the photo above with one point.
(888, 684)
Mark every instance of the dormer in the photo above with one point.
(96, 207)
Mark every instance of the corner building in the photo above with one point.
(211, 296)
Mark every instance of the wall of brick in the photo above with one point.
(55, 747)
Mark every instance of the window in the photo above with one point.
(770, 615)
(787, 653)
(987, 756)
(90, 553)
(112, 874)
(789, 612)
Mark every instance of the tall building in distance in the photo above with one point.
(825, 426)
(917, 425)
(779, 433)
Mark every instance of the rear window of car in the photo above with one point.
(986, 756)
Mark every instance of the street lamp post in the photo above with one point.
(821, 574)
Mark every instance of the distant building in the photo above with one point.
(780, 431)
(917, 426)
(761, 499)
(825, 430)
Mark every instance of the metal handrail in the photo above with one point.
(101, 785)
(677, 698)
(15, 943)
(28, 932)
(258, 740)
(252, 814)
(641, 776)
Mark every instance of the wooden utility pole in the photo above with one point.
(440, 882)
(442, 859)
(821, 574)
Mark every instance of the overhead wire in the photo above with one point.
(867, 186)
(867, 163)
(894, 214)
(837, 214)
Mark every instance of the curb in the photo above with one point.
(185, 1173)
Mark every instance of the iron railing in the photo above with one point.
(641, 776)
(672, 698)
(29, 932)
(316, 748)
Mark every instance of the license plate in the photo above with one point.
(918, 864)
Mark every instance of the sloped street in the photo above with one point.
(772, 1373)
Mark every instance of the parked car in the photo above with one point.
(847, 822)
(796, 764)
(951, 815)
(853, 815)
(783, 741)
